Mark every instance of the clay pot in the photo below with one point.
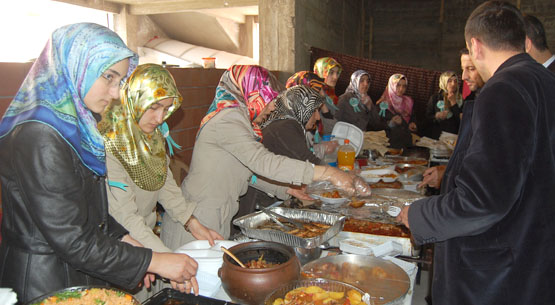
(251, 286)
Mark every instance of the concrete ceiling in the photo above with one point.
(208, 23)
(151, 7)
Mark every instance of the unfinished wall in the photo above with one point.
(430, 33)
(327, 24)
(288, 28)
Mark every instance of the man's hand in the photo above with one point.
(403, 217)
(433, 176)
(412, 127)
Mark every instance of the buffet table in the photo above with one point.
(410, 268)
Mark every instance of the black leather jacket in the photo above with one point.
(56, 230)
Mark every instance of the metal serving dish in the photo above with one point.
(386, 282)
(168, 296)
(326, 284)
(249, 226)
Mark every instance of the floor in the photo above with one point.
(420, 291)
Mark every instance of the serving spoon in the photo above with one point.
(233, 256)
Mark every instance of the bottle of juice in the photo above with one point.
(346, 156)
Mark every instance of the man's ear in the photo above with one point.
(527, 44)
(477, 48)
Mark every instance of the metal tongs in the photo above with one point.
(275, 217)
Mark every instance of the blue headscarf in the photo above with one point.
(53, 91)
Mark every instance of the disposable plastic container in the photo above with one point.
(346, 156)
(209, 62)
(329, 158)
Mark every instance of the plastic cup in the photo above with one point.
(209, 62)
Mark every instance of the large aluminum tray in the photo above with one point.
(250, 222)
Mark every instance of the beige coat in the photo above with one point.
(225, 156)
(135, 208)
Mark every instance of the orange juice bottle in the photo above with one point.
(346, 156)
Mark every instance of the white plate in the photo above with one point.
(330, 200)
(376, 175)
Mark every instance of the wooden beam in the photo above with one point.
(102, 5)
(186, 5)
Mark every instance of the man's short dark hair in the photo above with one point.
(536, 32)
(497, 24)
(464, 51)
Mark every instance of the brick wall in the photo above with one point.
(196, 85)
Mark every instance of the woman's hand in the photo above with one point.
(149, 277)
(441, 115)
(412, 127)
(199, 231)
(397, 120)
(362, 188)
(186, 286)
(338, 178)
(130, 240)
(299, 193)
(180, 269)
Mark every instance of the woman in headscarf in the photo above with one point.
(138, 173)
(228, 154)
(285, 130)
(444, 108)
(56, 230)
(329, 70)
(286, 133)
(396, 108)
(356, 107)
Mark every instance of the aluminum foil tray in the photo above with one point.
(249, 224)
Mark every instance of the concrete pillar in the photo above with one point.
(127, 27)
(277, 36)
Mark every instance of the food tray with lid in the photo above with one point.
(250, 226)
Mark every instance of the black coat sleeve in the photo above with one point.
(57, 197)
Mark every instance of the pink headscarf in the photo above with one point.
(247, 86)
(401, 105)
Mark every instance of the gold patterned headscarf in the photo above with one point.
(142, 155)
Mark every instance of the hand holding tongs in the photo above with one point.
(275, 217)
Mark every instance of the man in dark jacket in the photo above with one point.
(536, 43)
(493, 223)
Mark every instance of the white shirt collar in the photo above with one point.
(549, 61)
